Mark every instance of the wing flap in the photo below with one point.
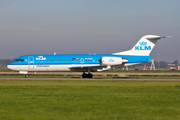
(85, 68)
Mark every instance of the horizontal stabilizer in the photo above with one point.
(155, 38)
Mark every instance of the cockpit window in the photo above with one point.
(20, 60)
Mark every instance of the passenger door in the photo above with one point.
(82, 61)
(31, 62)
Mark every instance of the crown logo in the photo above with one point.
(111, 60)
(143, 43)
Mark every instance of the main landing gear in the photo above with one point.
(89, 75)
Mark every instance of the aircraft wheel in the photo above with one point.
(90, 75)
(84, 75)
(26, 76)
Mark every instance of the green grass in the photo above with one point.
(5, 70)
(95, 76)
(156, 77)
(89, 100)
(55, 76)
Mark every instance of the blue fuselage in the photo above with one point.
(74, 59)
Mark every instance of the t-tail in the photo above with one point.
(144, 46)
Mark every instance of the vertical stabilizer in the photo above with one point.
(143, 47)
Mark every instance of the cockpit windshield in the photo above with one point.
(20, 60)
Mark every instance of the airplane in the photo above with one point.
(140, 53)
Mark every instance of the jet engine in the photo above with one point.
(113, 61)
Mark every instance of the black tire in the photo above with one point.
(90, 76)
(84, 75)
(26, 76)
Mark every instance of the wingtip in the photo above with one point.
(168, 36)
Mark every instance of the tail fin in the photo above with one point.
(144, 46)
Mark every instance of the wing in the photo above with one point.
(93, 67)
(86, 68)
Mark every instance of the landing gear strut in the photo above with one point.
(89, 75)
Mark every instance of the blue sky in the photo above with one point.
(87, 26)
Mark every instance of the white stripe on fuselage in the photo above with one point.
(43, 67)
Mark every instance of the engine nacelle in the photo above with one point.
(113, 61)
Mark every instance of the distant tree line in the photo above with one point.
(5, 62)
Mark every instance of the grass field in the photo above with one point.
(95, 76)
(89, 100)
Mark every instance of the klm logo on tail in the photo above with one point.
(142, 46)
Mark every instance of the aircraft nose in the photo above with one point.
(10, 67)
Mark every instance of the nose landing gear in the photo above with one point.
(26, 76)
